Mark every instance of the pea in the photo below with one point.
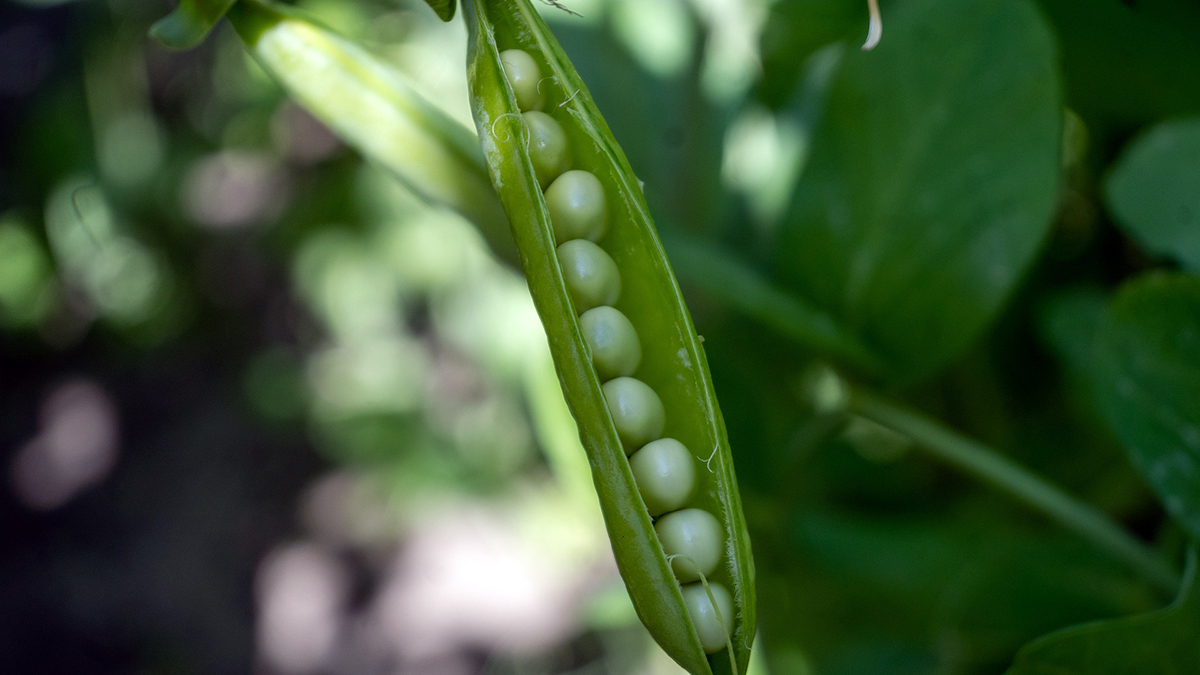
(665, 474)
(524, 76)
(591, 275)
(713, 630)
(693, 535)
(636, 410)
(547, 146)
(612, 340)
(578, 209)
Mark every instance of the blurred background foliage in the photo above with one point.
(265, 409)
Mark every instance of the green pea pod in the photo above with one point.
(371, 107)
(673, 363)
(444, 8)
(190, 22)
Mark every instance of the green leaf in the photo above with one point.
(191, 21)
(1154, 191)
(932, 179)
(444, 8)
(1166, 642)
(1148, 386)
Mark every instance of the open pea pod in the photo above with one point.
(672, 362)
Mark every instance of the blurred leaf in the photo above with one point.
(1154, 191)
(1148, 385)
(743, 288)
(190, 23)
(794, 31)
(976, 571)
(1127, 61)
(443, 8)
(1069, 323)
(1164, 641)
(971, 578)
(372, 108)
(932, 180)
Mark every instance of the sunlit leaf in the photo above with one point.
(1148, 385)
(1155, 191)
(371, 106)
(932, 179)
(1162, 642)
(191, 21)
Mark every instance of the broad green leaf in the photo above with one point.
(191, 21)
(1154, 191)
(932, 180)
(1165, 642)
(372, 108)
(1148, 386)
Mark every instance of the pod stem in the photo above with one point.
(992, 467)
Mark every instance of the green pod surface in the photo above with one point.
(190, 22)
(673, 361)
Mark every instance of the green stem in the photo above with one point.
(743, 288)
(992, 467)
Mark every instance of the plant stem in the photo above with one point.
(992, 467)
(744, 289)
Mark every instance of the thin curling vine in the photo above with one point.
(874, 26)
(628, 357)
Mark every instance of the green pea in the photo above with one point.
(612, 341)
(523, 76)
(693, 535)
(713, 630)
(591, 275)
(578, 209)
(665, 474)
(636, 410)
(547, 147)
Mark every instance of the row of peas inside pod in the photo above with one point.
(664, 469)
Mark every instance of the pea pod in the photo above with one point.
(672, 363)
(371, 106)
(190, 22)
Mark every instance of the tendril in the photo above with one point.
(720, 621)
(558, 5)
(875, 27)
(572, 97)
(79, 212)
(539, 84)
(508, 136)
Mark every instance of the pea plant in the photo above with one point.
(954, 327)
